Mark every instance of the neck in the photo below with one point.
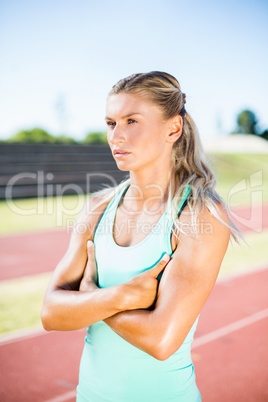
(150, 186)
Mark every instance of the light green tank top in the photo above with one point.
(111, 369)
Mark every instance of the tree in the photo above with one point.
(247, 122)
(264, 134)
(98, 137)
(63, 139)
(39, 136)
(36, 135)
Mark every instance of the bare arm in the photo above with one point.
(67, 308)
(64, 307)
(183, 290)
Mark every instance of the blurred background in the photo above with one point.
(59, 59)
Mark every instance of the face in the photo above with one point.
(136, 131)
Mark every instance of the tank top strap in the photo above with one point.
(110, 210)
(169, 223)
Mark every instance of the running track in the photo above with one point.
(230, 350)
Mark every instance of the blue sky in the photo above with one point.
(60, 58)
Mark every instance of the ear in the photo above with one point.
(175, 129)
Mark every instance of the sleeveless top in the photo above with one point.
(111, 369)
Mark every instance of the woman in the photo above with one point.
(158, 242)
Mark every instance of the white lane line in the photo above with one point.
(219, 333)
(64, 397)
(241, 273)
(21, 335)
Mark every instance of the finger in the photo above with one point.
(155, 271)
(90, 272)
(90, 250)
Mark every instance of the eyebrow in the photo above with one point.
(124, 117)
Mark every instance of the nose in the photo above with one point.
(116, 135)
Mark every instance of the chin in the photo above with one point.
(123, 168)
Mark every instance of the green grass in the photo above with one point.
(21, 302)
(28, 215)
(244, 257)
(240, 177)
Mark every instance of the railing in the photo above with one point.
(38, 170)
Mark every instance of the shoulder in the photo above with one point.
(200, 251)
(207, 227)
(89, 216)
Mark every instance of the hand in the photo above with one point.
(141, 290)
(137, 293)
(89, 279)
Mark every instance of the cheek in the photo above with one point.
(146, 135)
(154, 138)
(108, 138)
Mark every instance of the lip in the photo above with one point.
(120, 153)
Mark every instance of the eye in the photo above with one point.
(110, 123)
(131, 121)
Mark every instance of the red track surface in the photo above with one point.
(250, 219)
(230, 368)
(233, 368)
(31, 253)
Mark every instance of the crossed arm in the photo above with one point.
(186, 283)
(73, 300)
(183, 290)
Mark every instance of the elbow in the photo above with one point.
(46, 318)
(165, 347)
(161, 354)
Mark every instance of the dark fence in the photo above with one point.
(37, 170)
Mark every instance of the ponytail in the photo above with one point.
(190, 167)
(189, 164)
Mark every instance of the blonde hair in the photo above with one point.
(189, 165)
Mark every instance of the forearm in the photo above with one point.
(138, 327)
(65, 310)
